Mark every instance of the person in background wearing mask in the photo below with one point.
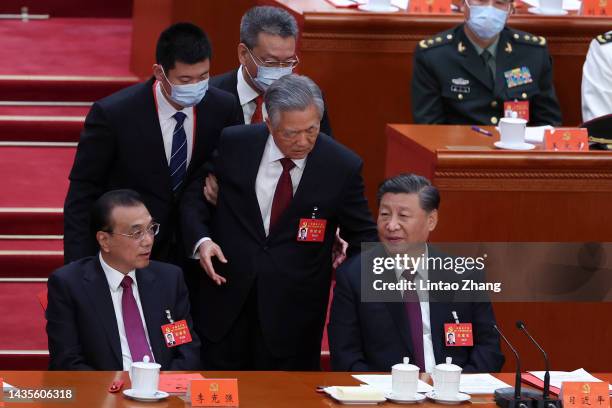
(150, 137)
(474, 72)
(266, 52)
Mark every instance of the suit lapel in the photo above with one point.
(472, 62)
(151, 309)
(253, 155)
(397, 309)
(151, 134)
(98, 292)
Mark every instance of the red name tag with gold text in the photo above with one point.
(521, 108)
(458, 334)
(566, 139)
(176, 333)
(311, 230)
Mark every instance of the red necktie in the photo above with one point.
(134, 329)
(415, 321)
(283, 193)
(258, 114)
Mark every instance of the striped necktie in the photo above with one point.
(178, 159)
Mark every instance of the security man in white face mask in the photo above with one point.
(266, 52)
(481, 71)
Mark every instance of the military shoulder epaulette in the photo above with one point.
(526, 38)
(605, 38)
(437, 40)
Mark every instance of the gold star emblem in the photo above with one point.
(508, 48)
(460, 47)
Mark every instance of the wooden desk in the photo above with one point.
(257, 389)
(490, 195)
(363, 63)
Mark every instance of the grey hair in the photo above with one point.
(429, 196)
(266, 19)
(291, 93)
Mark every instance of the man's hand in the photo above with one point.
(211, 189)
(339, 250)
(207, 250)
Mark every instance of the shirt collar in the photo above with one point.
(164, 109)
(491, 48)
(421, 270)
(113, 276)
(245, 92)
(274, 154)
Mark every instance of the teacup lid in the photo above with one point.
(405, 366)
(145, 363)
(448, 366)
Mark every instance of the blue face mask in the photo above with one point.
(188, 95)
(486, 21)
(267, 75)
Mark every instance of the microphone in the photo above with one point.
(545, 401)
(513, 397)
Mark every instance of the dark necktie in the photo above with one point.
(415, 321)
(178, 159)
(134, 329)
(258, 114)
(487, 57)
(283, 193)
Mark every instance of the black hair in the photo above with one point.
(184, 42)
(103, 207)
(429, 196)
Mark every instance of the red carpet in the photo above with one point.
(40, 128)
(70, 8)
(30, 258)
(27, 327)
(35, 189)
(79, 111)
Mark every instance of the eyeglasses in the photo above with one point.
(152, 230)
(270, 63)
(499, 4)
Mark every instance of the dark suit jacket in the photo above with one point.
(81, 323)
(229, 83)
(373, 336)
(121, 146)
(451, 85)
(292, 278)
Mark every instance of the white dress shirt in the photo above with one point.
(165, 112)
(428, 351)
(597, 81)
(114, 278)
(270, 169)
(247, 96)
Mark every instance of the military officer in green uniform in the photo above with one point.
(481, 71)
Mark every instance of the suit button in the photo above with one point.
(524, 95)
(494, 104)
(460, 97)
(494, 120)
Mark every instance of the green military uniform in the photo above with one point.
(452, 83)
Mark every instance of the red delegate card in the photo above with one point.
(521, 108)
(458, 334)
(176, 333)
(311, 230)
(567, 139)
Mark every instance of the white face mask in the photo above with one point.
(486, 21)
(267, 75)
(188, 95)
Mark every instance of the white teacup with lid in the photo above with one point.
(145, 377)
(404, 379)
(446, 378)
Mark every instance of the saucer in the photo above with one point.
(459, 398)
(547, 12)
(331, 391)
(387, 9)
(399, 399)
(518, 146)
(159, 395)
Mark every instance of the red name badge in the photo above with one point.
(597, 7)
(176, 333)
(458, 334)
(311, 230)
(430, 6)
(520, 108)
(566, 139)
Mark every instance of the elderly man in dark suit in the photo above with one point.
(263, 297)
(108, 310)
(149, 137)
(372, 332)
